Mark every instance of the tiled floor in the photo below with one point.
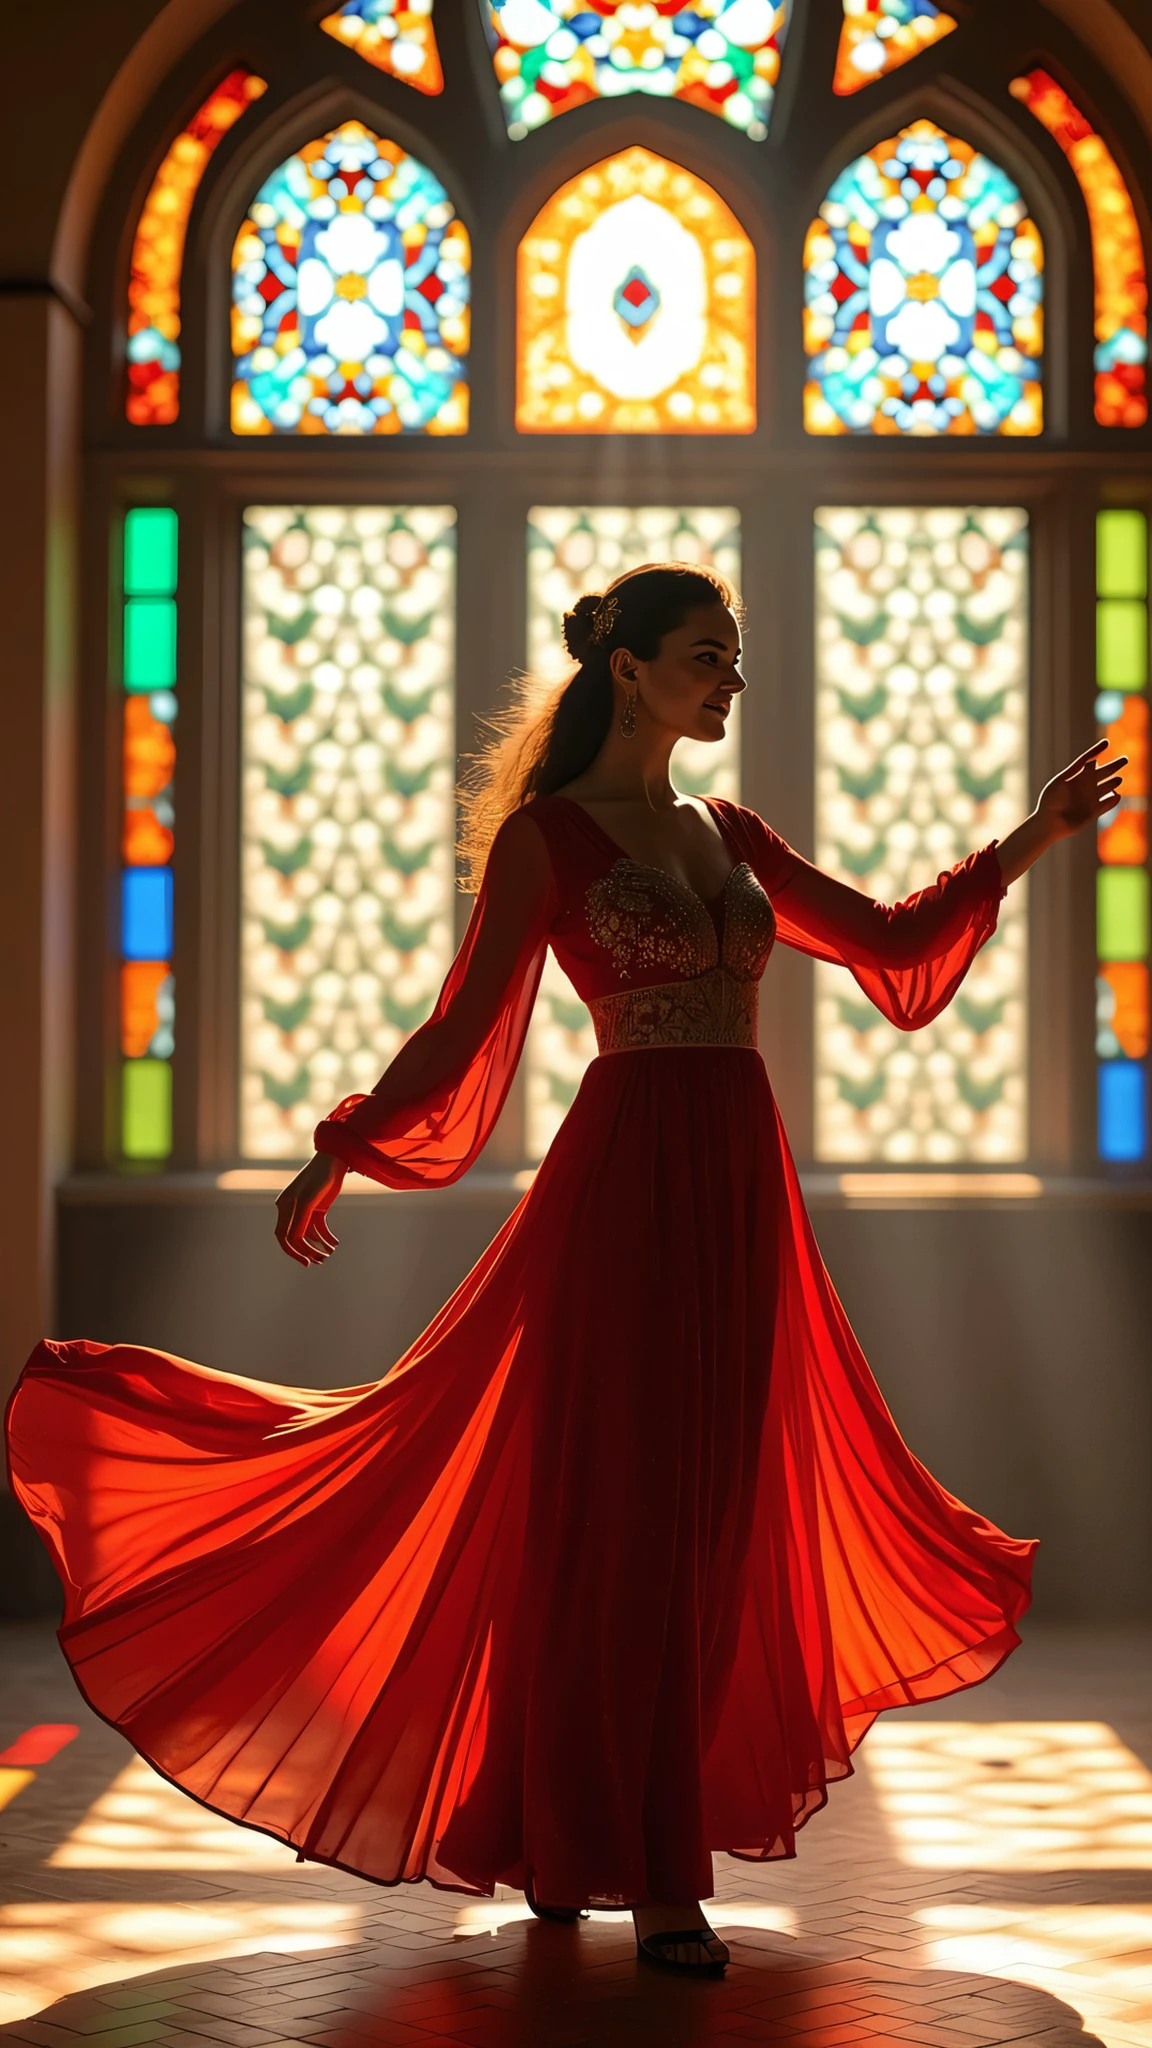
(985, 1878)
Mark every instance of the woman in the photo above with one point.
(618, 1563)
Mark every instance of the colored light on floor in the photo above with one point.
(146, 1109)
(146, 914)
(150, 551)
(1122, 1109)
(40, 1744)
(149, 643)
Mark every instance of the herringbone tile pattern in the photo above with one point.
(984, 1879)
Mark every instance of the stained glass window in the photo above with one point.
(880, 35)
(572, 549)
(350, 296)
(397, 38)
(553, 55)
(924, 295)
(1123, 940)
(147, 999)
(921, 722)
(153, 396)
(635, 306)
(348, 805)
(1117, 252)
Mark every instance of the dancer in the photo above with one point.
(617, 1564)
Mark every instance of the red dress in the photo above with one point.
(619, 1562)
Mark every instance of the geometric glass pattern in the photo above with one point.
(921, 723)
(880, 35)
(553, 55)
(148, 756)
(1122, 920)
(397, 39)
(635, 306)
(573, 548)
(347, 808)
(153, 394)
(350, 296)
(1117, 251)
(924, 295)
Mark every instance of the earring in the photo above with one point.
(628, 720)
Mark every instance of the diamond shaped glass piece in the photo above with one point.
(637, 298)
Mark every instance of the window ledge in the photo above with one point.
(822, 1188)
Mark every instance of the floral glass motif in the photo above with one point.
(393, 37)
(924, 295)
(348, 806)
(880, 35)
(572, 549)
(921, 722)
(153, 394)
(553, 55)
(636, 306)
(147, 832)
(1123, 933)
(350, 296)
(1117, 252)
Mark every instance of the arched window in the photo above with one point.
(350, 281)
(924, 287)
(635, 307)
(576, 344)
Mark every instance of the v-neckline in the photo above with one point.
(709, 903)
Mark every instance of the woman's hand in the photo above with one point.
(302, 1210)
(1079, 793)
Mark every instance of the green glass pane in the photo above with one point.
(150, 552)
(1121, 554)
(149, 643)
(1122, 913)
(146, 1109)
(1121, 644)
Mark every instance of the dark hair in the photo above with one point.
(552, 732)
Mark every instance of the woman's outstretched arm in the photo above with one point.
(434, 1107)
(910, 957)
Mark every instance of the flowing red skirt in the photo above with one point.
(613, 1568)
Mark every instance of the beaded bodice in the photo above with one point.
(655, 962)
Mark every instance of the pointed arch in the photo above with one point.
(924, 287)
(1120, 273)
(636, 306)
(351, 295)
(154, 316)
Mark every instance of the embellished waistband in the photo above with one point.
(710, 1009)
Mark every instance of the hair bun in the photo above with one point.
(578, 624)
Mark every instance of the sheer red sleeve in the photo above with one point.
(433, 1110)
(909, 958)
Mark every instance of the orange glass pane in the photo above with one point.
(1128, 981)
(149, 749)
(635, 306)
(1123, 841)
(145, 842)
(398, 40)
(1128, 734)
(1117, 251)
(158, 253)
(880, 35)
(140, 985)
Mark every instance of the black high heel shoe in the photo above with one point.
(566, 1913)
(649, 1946)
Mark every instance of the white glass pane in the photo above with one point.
(348, 803)
(921, 722)
(571, 549)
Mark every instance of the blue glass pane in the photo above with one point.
(146, 914)
(1122, 1109)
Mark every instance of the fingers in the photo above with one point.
(297, 1228)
